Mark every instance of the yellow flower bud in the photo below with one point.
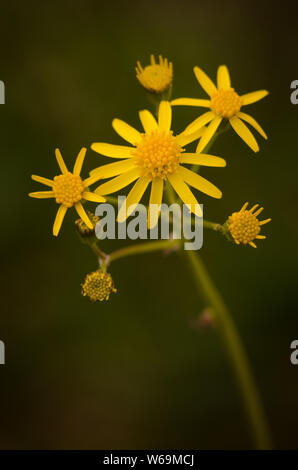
(244, 226)
(98, 286)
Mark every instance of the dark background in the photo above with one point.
(133, 372)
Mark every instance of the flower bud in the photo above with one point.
(83, 230)
(244, 225)
(156, 78)
(98, 286)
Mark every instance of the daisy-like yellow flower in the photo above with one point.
(224, 103)
(69, 190)
(244, 226)
(156, 156)
(156, 77)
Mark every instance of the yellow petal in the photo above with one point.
(60, 161)
(113, 151)
(59, 219)
(119, 182)
(156, 199)
(139, 68)
(199, 122)
(42, 194)
(253, 208)
(244, 207)
(254, 96)
(252, 244)
(184, 139)
(202, 159)
(245, 134)
(205, 81)
(127, 132)
(261, 237)
(198, 182)
(133, 198)
(79, 161)
(148, 121)
(191, 102)
(81, 211)
(113, 169)
(263, 222)
(253, 123)
(185, 193)
(258, 212)
(92, 197)
(223, 78)
(209, 133)
(41, 179)
(165, 116)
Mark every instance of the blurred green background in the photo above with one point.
(134, 372)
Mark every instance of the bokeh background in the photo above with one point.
(134, 372)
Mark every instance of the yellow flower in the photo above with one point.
(68, 189)
(156, 77)
(98, 286)
(156, 156)
(224, 103)
(244, 226)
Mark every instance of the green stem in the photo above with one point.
(112, 200)
(212, 225)
(147, 247)
(236, 353)
(195, 168)
(98, 252)
(250, 396)
(216, 135)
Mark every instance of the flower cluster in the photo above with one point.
(156, 157)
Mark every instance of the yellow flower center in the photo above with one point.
(157, 155)
(98, 286)
(68, 189)
(157, 78)
(226, 103)
(243, 226)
